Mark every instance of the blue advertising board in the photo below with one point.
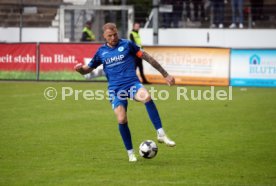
(253, 67)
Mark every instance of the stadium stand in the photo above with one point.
(45, 12)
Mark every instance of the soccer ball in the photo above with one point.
(148, 149)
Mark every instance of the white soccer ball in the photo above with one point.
(148, 149)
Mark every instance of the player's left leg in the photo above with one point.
(143, 96)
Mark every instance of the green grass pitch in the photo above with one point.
(76, 142)
(52, 75)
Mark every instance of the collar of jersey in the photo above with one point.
(120, 40)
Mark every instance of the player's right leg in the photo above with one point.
(120, 108)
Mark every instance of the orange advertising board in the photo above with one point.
(190, 66)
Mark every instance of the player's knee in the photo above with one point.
(143, 96)
(122, 119)
(147, 98)
(121, 114)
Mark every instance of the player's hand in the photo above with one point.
(170, 80)
(78, 67)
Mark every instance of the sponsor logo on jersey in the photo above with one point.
(114, 59)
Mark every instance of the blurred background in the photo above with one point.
(63, 20)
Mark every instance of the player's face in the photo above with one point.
(111, 37)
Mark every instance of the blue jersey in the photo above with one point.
(118, 63)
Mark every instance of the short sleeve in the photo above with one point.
(134, 48)
(95, 61)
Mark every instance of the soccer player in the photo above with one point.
(118, 59)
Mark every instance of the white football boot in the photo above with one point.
(166, 140)
(132, 157)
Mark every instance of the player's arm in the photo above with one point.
(83, 69)
(144, 55)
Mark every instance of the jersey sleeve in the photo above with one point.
(95, 61)
(135, 50)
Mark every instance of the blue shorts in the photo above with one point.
(119, 96)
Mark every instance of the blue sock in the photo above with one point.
(153, 114)
(125, 133)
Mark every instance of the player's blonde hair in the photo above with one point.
(110, 26)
